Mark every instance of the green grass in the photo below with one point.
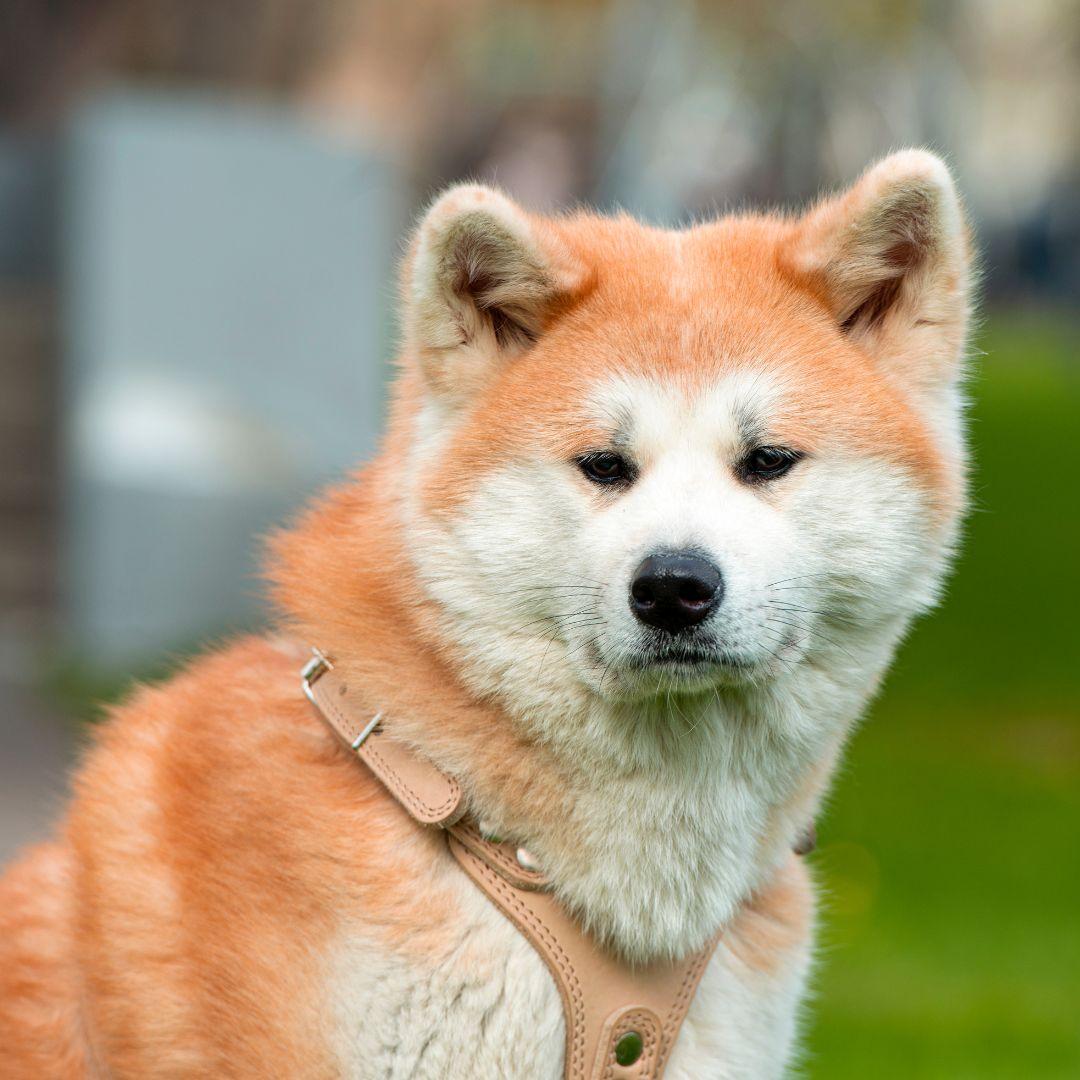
(949, 862)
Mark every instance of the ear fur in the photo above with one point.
(482, 282)
(890, 259)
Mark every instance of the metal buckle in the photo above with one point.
(317, 666)
(311, 672)
(371, 725)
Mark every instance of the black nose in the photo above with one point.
(675, 590)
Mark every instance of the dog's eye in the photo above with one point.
(768, 462)
(605, 467)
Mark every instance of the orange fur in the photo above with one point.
(42, 1029)
(773, 921)
(217, 843)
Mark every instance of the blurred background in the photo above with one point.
(201, 210)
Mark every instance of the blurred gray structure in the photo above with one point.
(227, 278)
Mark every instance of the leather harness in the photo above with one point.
(621, 1021)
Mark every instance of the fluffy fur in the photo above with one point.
(231, 895)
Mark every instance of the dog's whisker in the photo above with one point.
(603, 676)
(797, 577)
(832, 616)
(813, 631)
(554, 588)
(784, 643)
(590, 641)
(551, 618)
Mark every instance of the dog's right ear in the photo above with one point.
(482, 281)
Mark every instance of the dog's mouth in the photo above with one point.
(690, 666)
(692, 661)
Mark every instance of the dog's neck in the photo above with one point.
(655, 821)
(658, 819)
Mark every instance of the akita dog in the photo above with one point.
(654, 510)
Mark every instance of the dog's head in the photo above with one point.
(646, 460)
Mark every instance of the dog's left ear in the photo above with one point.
(890, 259)
(482, 282)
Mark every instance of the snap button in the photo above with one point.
(629, 1047)
(527, 861)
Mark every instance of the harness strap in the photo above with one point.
(430, 796)
(621, 1021)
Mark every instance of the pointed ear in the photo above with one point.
(890, 259)
(482, 282)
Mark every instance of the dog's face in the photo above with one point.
(656, 461)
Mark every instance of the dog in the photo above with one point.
(653, 512)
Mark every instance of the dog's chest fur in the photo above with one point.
(485, 1006)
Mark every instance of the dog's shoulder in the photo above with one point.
(222, 843)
